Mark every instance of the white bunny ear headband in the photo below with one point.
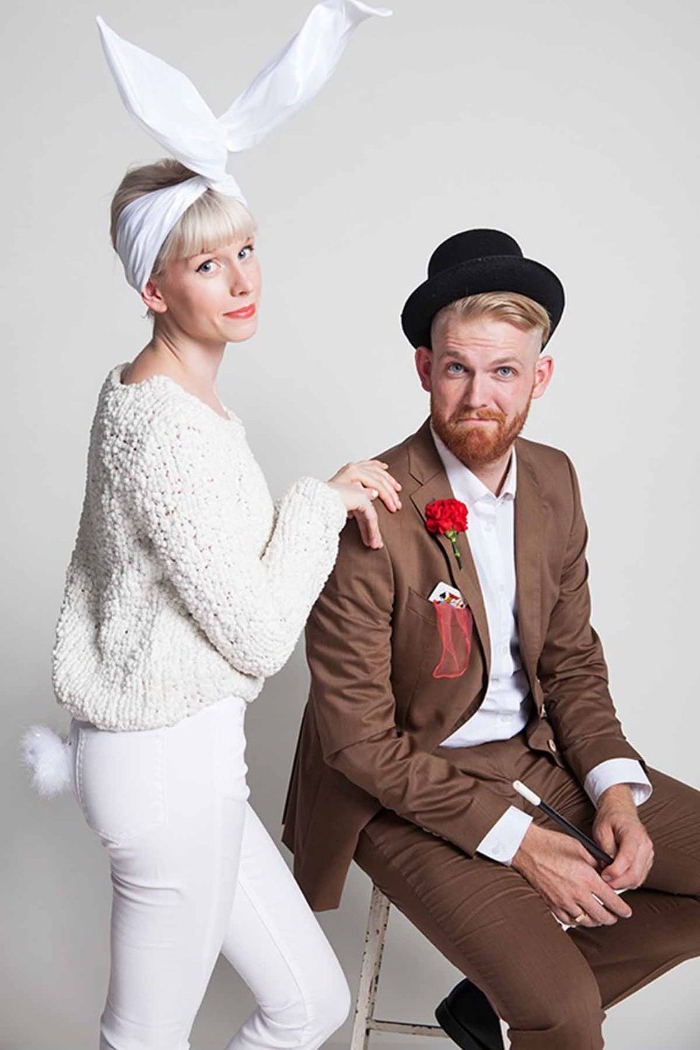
(168, 106)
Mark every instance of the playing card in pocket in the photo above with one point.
(448, 595)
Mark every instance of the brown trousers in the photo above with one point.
(550, 986)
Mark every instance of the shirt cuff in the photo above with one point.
(502, 842)
(618, 771)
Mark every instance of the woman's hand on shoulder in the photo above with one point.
(358, 484)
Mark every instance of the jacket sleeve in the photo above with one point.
(349, 650)
(250, 597)
(572, 669)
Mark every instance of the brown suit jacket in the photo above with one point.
(376, 714)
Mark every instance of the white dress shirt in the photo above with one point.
(507, 705)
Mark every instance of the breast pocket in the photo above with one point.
(435, 676)
(452, 630)
(416, 603)
(120, 781)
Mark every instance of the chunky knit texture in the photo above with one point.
(186, 583)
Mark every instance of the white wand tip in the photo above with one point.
(526, 793)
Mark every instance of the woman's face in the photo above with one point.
(211, 298)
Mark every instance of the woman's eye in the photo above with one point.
(245, 252)
(206, 267)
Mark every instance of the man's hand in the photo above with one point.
(620, 832)
(565, 874)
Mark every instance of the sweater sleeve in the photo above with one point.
(251, 607)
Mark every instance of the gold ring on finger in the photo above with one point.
(579, 918)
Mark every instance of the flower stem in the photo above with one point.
(452, 537)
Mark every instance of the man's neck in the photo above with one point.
(493, 475)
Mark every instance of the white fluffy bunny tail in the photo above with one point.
(47, 756)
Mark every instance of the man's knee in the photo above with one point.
(567, 1016)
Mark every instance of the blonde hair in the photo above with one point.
(516, 309)
(212, 221)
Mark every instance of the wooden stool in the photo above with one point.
(365, 1021)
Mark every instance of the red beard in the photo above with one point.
(478, 446)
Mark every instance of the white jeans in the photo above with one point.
(194, 873)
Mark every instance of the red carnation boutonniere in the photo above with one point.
(447, 517)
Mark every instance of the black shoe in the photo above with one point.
(467, 1017)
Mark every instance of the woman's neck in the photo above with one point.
(193, 366)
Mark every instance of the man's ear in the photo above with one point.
(543, 373)
(153, 297)
(424, 366)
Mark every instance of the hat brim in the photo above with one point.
(493, 273)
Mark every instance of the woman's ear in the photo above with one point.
(153, 297)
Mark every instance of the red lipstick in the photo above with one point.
(246, 311)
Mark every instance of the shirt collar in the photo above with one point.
(466, 485)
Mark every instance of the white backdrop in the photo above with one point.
(573, 127)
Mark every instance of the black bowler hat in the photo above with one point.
(478, 261)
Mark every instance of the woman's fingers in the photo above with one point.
(358, 503)
(372, 474)
(368, 523)
(381, 481)
(374, 466)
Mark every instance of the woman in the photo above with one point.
(187, 587)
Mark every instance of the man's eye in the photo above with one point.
(506, 371)
(455, 367)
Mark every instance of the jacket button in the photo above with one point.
(552, 745)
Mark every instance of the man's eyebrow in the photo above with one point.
(459, 355)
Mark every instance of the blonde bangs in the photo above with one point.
(516, 309)
(211, 222)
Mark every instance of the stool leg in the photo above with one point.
(369, 971)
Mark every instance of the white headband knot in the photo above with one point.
(170, 109)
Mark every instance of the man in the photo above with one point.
(423, 712)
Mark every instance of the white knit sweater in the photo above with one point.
(186, 583)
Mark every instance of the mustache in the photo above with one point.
(484, 414)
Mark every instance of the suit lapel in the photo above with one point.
(426, 466)
(530, 513)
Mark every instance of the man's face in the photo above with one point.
(482, 374)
